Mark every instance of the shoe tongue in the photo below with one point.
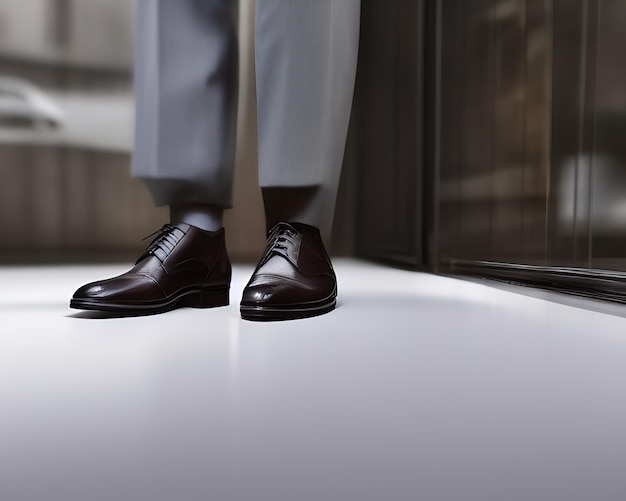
(276, 265)
(282, 226)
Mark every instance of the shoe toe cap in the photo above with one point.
(264, 290)
(120, 289)
(94, 290)
(263, 294)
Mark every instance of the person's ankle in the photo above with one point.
(203, 216)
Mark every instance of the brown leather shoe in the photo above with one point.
(182, 266)
(294, 279)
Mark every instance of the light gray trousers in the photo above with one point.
(186, 89)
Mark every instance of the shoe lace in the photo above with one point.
(163, 240)
(280, 241)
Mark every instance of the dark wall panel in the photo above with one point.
(536, 130)
(608, 140)
(575, 35)
(386, 129)
(494, 129)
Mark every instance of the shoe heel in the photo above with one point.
(206, 298)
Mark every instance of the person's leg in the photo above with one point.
(306, 54)
(186, 86)
(186, 92)
(186, 67)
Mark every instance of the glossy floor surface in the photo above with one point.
(418, 387)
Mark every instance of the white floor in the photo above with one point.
(418, 387)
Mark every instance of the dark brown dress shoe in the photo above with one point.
(182, 266)
(294, 279)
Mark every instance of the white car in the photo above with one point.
(23, 104)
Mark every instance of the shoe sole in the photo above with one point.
(291, 312)
(198, 298)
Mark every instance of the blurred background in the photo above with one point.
(531, 107)
(66, 136)
(490, 130)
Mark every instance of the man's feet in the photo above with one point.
(182, 266)
(294, 279)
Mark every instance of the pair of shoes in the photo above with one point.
(186, 266)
